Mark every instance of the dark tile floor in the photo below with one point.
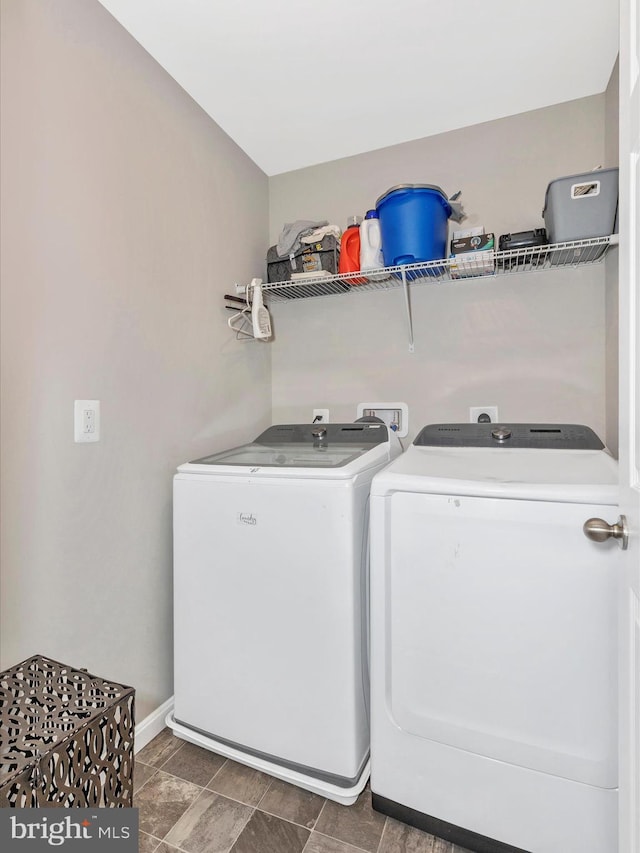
(195, 801)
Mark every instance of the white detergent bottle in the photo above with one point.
(260, 318)
(371, 242)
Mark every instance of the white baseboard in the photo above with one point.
(152, 725)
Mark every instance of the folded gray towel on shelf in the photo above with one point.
(289, 239)
(319, 234)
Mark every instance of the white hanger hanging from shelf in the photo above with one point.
(252, 321)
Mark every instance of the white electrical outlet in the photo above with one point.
(394, 415)
(478, 412)
(86, 420)
(321, 416)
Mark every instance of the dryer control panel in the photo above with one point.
(540, 436)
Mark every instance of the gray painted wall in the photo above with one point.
(126, 215)
(532, 344)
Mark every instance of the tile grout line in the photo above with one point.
(173, 776)
(252, 811)
(175, 752)
(155, 770)
(384, 829)
(190, 781)
(172, 846)
(244, 825)
(211, 790)
(224, 764)
(234, 800)
(288, 820)
(177, 749)
(267, 789)
(153, 837)
(176, 822)
(342, 841)
(265, 811)
(154, 767)
(321, 810)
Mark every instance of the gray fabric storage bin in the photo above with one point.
(578, 207)
(311, 257)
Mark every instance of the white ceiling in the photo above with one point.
(298, 83)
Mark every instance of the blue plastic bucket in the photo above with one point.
(414, 224)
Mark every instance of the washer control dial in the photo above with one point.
(501, 434)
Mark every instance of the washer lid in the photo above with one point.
(301, 446)
(566, 476)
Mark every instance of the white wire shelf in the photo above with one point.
(480, 265)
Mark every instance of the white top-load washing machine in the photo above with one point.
(270, 551)
(493, 639)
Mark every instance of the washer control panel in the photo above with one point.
(541, 436)
(305, 434)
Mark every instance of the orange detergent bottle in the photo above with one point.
(350, 250)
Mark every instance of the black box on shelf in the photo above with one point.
(523, 239)
(519, 241)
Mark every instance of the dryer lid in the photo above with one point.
(548, 462)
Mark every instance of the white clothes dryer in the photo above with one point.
(270, 633)
(493, 639)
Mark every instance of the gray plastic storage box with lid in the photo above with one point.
(578, 207)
